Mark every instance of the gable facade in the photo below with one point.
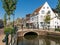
(38, 16)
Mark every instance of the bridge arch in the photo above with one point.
(38, 32)
(30, 32)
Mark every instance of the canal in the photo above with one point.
(34, 39)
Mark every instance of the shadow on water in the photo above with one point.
(31, 35)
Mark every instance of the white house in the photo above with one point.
(37, 18)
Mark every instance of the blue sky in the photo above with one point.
(28, 6)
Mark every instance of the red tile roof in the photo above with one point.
(38, 9)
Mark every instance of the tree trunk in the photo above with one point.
(11, 38)
(6, 39)
(8, 20)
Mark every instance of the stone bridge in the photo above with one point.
(24, 31)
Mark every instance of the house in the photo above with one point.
(38, 16)
(28, 23)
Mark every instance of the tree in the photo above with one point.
(18, 22)
(47, 20)
(9, 7)
(58, 8)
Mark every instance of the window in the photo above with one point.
(41, 22)
(37, 17)
(42, 11)
(41, 16)
(48, 12)
(55, 26)
(32, 19)
(43, 7)
(47, 7)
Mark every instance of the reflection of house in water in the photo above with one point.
(39, 41)
(29, 42)
(54, 42)
(48, 42)
(42, 42)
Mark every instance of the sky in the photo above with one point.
(27, 7)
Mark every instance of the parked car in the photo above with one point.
(1, 23)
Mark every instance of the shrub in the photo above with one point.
(57, 29)
(9, 30)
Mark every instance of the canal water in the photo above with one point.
(38, 40)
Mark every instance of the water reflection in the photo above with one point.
(40, 40)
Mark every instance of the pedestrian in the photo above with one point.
(22, 26)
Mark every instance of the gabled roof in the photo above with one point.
(38, 9)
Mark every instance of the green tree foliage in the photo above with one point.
(47, 19)
(9, 6)
(5, 20)
(9, 30)
(58, 7)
